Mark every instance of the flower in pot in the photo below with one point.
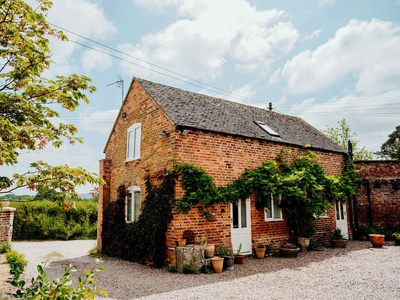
(229, 259)
(239, 257)
(289, 250)
(396, 238)
(337, 239)
(260, 251)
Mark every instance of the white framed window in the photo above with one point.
(133, 142)
(273, 211)
(132, 204)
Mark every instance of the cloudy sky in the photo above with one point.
(323, 60)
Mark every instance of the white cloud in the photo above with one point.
(366, 50)
(326, 3)
(92, 59)
(82, 17)
(210, 32)
(312, 35)
(246, 91)
(371, 118)
(98, 121)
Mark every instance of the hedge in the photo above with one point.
(46, 220)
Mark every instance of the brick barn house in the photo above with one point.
(159, 125)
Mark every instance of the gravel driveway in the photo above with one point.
(356, 272)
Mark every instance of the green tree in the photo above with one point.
(29, 101)
(391, 148)
(342, 134)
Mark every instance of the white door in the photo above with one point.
(341, 218)
(241, 226)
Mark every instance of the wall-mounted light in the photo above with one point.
(185, 132)
(123, 115)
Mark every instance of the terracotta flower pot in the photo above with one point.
(260, 252)
(239, 258)
(377, 240)
(182, 242)
(209, 250)
(217, 264)
(5, 203)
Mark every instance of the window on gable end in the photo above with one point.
(267, 129)
(273, 211)
(132, 204)
(133, 142)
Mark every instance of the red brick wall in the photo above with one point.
(380, 177)
(225, 158)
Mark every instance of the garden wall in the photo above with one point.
(377, 202)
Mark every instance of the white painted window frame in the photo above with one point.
(130, 192)
(277, 218)
(133, 141)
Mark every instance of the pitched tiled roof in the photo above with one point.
(194, 110)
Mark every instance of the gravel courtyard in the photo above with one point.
(357, 271)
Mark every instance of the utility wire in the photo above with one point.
(205, 85)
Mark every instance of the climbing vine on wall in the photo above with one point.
(303, 186)
(145, 239)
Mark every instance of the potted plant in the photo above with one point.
(209, 249)
(260, 251)
(396, 238)
(304, 243)
(229, 260)
(210, 216)
(377, 240)
(239, 257)
(289, 250)
(182, 242)
(217, 263)
(337, 239)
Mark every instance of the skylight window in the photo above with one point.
(267, 129)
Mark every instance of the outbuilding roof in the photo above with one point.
(198, 111)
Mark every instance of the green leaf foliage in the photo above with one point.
(46, 220)
(144, 240)
(29, 102)
(303, 187)
(43, 288)
(16, 261)
(391, 148)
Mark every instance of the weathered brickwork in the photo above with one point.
(225, 158)
(378, 197)
(222, 156)
(6, 223)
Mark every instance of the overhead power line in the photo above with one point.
(202, 85)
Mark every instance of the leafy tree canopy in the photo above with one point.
(29, 101)
(391, 148)
(342, 134)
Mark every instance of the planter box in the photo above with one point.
(289, 252)
(338, 243)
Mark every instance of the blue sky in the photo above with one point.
(321, 60)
